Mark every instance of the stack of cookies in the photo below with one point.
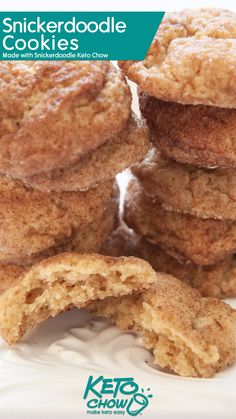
(182, 203)
(66, 130)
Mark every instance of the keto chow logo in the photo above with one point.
(115, 396)
(77, 35)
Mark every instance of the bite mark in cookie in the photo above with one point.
(65, 281)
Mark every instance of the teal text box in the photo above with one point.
(93, 36)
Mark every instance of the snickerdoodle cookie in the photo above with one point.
(192, 59)
(198, 135)
(65, 281)
(102, 164)
(32, 222)
(9, 275)
(53, 112)
(202, 241)
(88, 237)
(188, 334)
(206, 193)
(218, 280)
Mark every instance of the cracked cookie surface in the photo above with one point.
(218, 280)
(88, 238)
(202, 241)
(33, 222)
(192, 59)
(206, 193)
(53, 112)
(198, 135)
(102, 164)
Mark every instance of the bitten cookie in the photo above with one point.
(188, 334)
(206, 193)
(202, 241)
(32, 222)
(192, 59)
(218, 280)
(53, 112)
(198, 135)
(121, 151)
(66, 281)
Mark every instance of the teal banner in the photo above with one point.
(77, 35)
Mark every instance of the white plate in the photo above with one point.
(46, 374)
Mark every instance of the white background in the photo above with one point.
(99, 5)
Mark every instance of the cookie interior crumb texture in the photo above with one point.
(66, 281)
(188, 334)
